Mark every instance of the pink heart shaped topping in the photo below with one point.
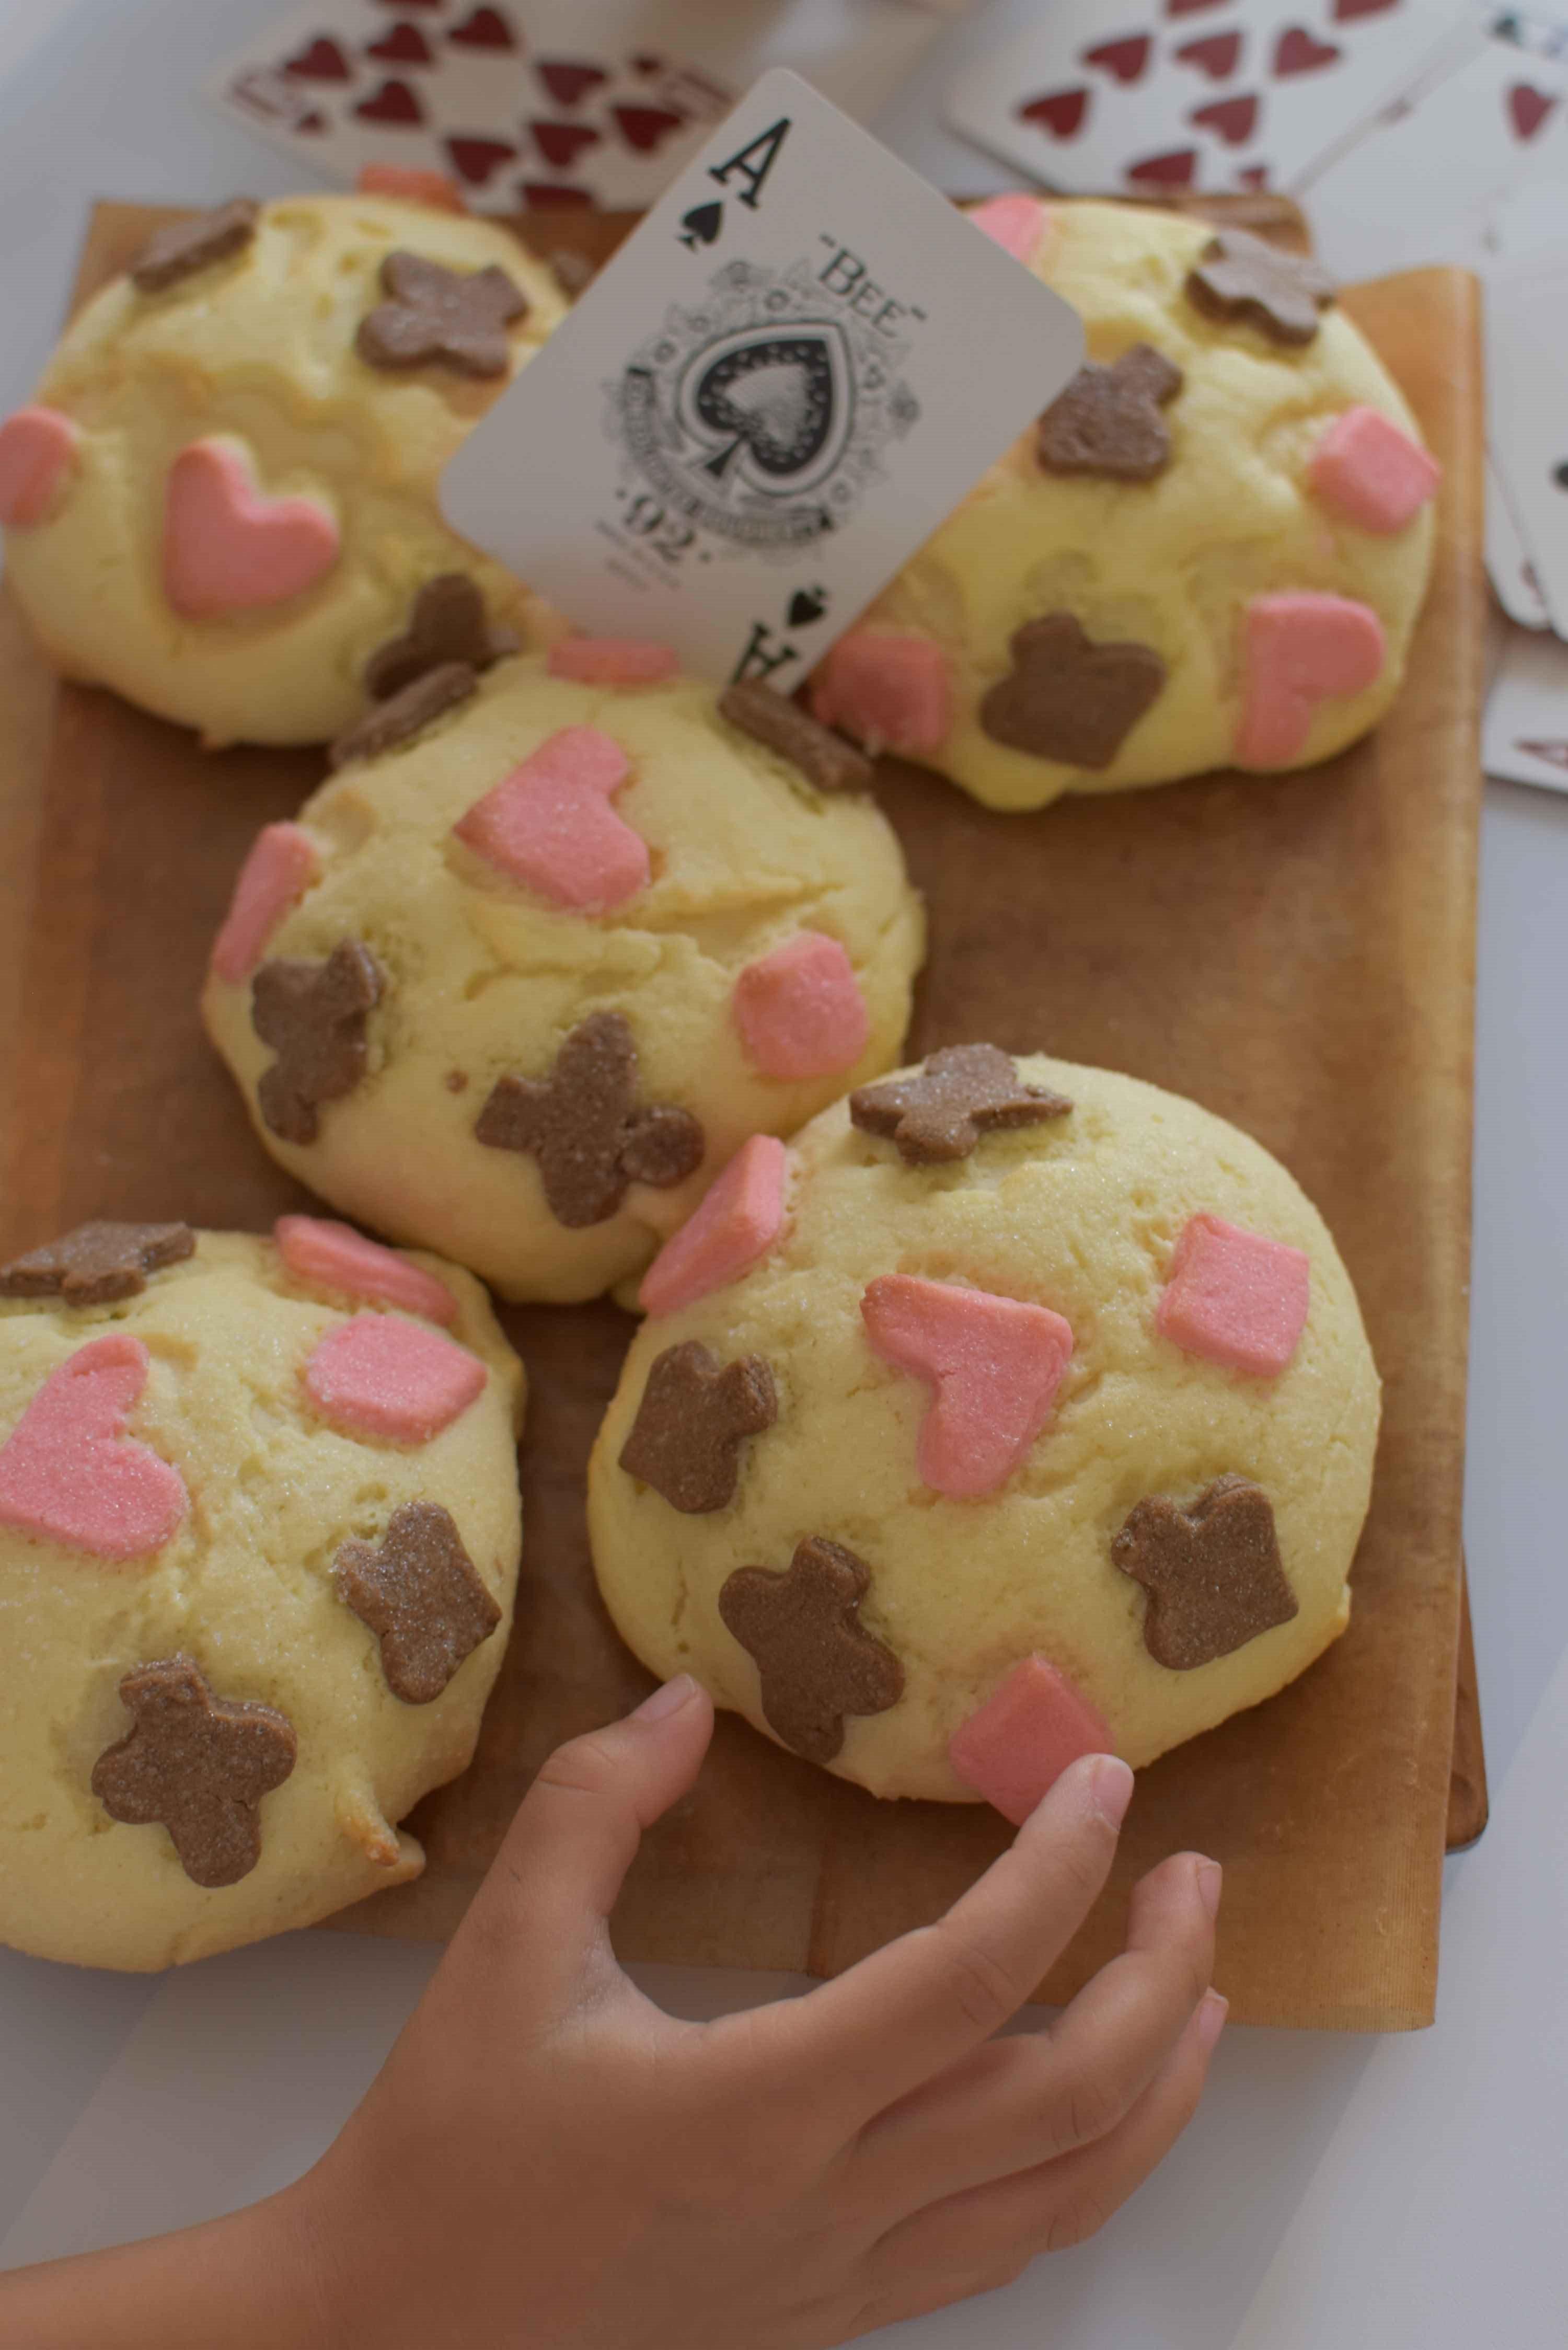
(1368, 471)
(800, 1011)
(281, 864)
(549, 823)
(375, 1376)
(1302, 650)
(890, 692)
(1019, 223)
(995, 1364)
(1235, 1297)
(611, 660)
(69, 1472)
(229, 547)
(37, 449)
(1019, 1742)
(738, 1222)
(335, 1256)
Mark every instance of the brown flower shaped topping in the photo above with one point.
(816, 1659)
(1068, 698)
(198, 1764)
(1212, 1572)
(1108, 421)
(957, 1095)
(422, 1596)
(582, 1125)
(448, 623)
(1238, 275)
(392, 724)
(824, 758)
(441, 316)
(314, 1016)
(694, 1415)
(186, 246)
(97, 1263)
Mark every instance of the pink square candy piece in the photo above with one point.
(335, 1256)
(281, 864)
(737, 1222)
(1235, 1297)
(69, 1472)
(230, 548)
(549, 824)
(890, 692)
(995, 1364)
(1301, 649)
(800, 1011)
(1367, 470)
(375, 1376)
(1017, 222)
(1030, 1729)
(611, 660)
(37, 449)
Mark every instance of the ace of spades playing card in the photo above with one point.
(785, 378)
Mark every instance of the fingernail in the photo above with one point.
(1211, 2019)
(666, 1701)
(1210, 1878)
(1111, 1788)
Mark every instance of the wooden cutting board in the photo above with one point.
(1296, 953)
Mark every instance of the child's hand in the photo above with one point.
(548, 2162)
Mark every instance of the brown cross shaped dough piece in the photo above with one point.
(396, 721)
(1068, 698)
(1108, 422)
(583, 1126)
(186, 246)
(441, 316)
(1212, 1572)
(314, 1016)
(961, 1093)
(422, 1596)
(198, 1764)
(1238, 275)
(824, 758)
(97, 1263)
(816, 1659)
(694, 1415)
(447, 623)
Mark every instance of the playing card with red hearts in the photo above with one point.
(1161, 95)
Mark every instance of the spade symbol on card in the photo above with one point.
(777, 406)
(805, 606)
(700, 225)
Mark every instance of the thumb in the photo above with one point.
(555, 1879)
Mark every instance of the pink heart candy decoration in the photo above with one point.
(611, 660)
(1235, 1297)
(229, 547)
(68, 1471)
(377, 1375)
(1367, 470)
(890, 692)
(1302, 648)
(549, 823)
(800, 1011)
(1016, 1747)
(281, 864)
(1021, 224)
(995, 1363)
(738, 1223)
(37, 449)
(335, 1256)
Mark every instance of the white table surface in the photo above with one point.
(1401, 2192)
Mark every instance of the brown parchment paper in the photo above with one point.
(1296, 953)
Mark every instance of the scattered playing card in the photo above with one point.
(1198, 94)
(767, 400)
(1525, 733)
(1527, 413)
(1508, 563)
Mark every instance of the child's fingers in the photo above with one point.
(910, 2011)
(1022, 2102)
(1062, 2202)
(552, 1885)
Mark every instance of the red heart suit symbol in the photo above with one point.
(1125, 59)
(1191, 8)
(475, 160)
(550, 195)
(405, 44)
(1173, 170)
(1231, 118)
(567, 82)
(562, 142)
(393, 102)
(1296, 52)
(1256, 175)
(1554, 754)
(645, 127)
(323, 61)
(1217, 54)
(1527, 109)
(486, 28)
(1345, 12)
(68, 1471)
(1061, 112)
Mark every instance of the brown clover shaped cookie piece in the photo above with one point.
(97, 1263)
(198, 1764)
(1238, 275)
(442, 317)
(1108, 421)
(447, 623)
(1067, 698)
(695, 1414)
(582, 1125)
(314, 1016)
(422, 1596)
(817, 1661)
(960, 1094)
(186, 246)
(393, 723)
(1212, 1572)
(824, 758)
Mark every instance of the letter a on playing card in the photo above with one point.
(782, 382)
